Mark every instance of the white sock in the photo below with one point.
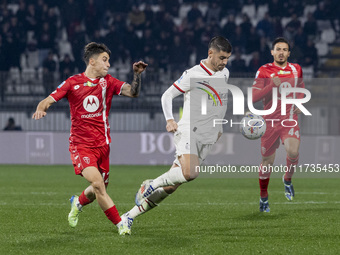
(151, 202)
(79, 206)
(170, 178)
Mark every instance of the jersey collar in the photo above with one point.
(280, 66)
(91, 80)
(206, 69)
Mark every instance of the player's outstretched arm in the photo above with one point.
(167, 97)
(133, 89)
(42, 108)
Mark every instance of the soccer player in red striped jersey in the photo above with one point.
(279, 74)
(90, 94)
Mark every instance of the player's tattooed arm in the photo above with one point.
(133, 89)
(136, 84)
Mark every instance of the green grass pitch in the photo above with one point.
(206, 216)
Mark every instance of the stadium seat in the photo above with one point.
(247, 58)
(323, 24)
(65, 47)
(177, 21)
(302, 20)
(250, 10)
(14, 74)
(183, 11)
(13, 7)
(285, 21)
(203, 7)
(309, 8)
(322, 48)
(308, 73)
(261, 11)
(238, 20)
(28, 75)
(223, 21)
(328, 36)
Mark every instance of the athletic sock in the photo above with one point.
(291, 163)
(113, 215)
(82, 201)
(170, 178)
(264, 176)
(151, 202)
(264, 199)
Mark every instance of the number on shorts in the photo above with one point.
(291, 132)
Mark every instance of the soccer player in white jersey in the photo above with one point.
(192, 142)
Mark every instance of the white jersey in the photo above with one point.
(205, 99)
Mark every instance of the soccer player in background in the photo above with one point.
(279, 74)
(90, 95)
(193, 140)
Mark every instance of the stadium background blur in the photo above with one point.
(41, 43)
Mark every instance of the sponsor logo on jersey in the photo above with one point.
(87, 160)
(91, 103)
(61, 84)
(206, 84)
(76, 87)
(89, 84)
(91, 115)
(283, 72)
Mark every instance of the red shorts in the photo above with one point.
(98, 157)
(270, 140)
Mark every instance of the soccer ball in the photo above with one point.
(252, 126)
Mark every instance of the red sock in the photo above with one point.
(113, 215)
(83, 200)
(291, 162)
(264, 181)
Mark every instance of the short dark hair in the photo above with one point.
(94, 48)
(221, 44)
(280, 40)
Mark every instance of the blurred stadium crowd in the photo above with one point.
(41, 43)
(167, 34)
(44, 39)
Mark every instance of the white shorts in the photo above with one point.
(187, 143)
